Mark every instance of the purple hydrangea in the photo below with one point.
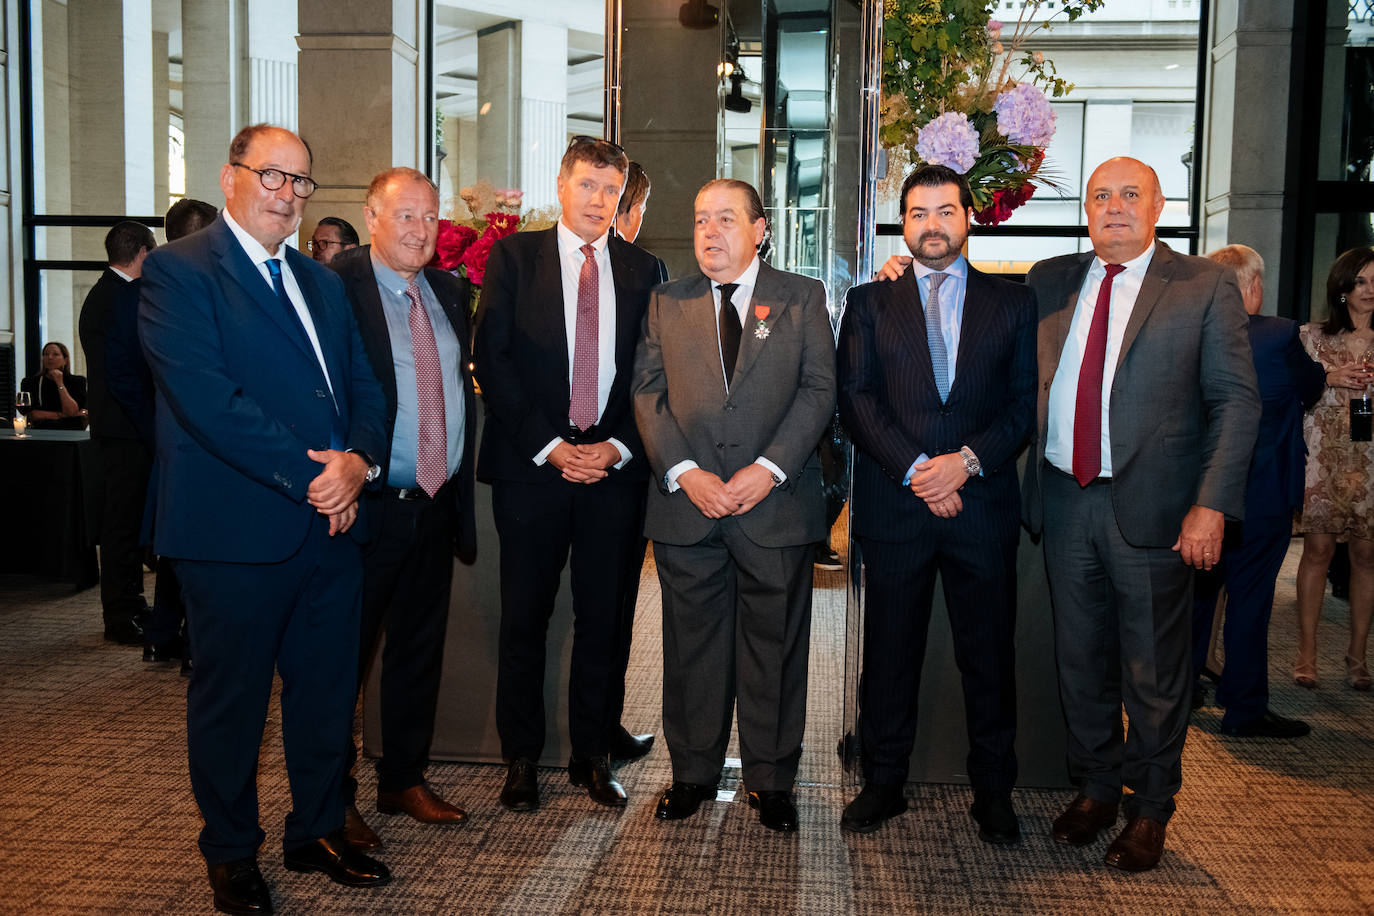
(1024, 115)
(948, 140)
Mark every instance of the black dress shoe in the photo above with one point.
(521, 792)
(1269, 725)
(125, 631)
(341, 862)
(776, 811)
(996, 818)
(594, 775)
(162, 653)
(239, 887)
(682, 799)
(625, 746)
(874, 804)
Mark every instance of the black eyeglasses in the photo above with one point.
(584, 139)
(322, 244)
(273, 179)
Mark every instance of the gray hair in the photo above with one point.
(1246, 262)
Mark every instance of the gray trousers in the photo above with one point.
(736, 624)
(1122, 622)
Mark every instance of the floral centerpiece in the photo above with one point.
(465, 240)
(950, 96)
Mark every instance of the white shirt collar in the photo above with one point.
(958, 268)
(748, 278)
(255, 250)
(569, 241)
(1140, 262)
(125, 277)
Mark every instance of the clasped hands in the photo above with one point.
(585, 463)
(716, 498)
(334, 491)
(937, 481)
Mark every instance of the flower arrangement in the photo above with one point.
(949, 97)
(465, 240)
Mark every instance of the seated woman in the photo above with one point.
(59, 398)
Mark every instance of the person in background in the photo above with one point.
(634, 201)
(59, 397)
(332, 236)
(1339, 501)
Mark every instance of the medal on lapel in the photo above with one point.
(761, 329)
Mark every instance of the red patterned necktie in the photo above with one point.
(582, 405)
(1087, 413)
(431, 446)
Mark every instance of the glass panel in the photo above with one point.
(511, 86)
(1347, 134)
(61, 293)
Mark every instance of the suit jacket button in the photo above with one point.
(720, 445)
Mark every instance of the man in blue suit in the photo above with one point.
(267, 413)
(936, 388)
(1253, 551)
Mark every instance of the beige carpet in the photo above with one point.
(97, 816)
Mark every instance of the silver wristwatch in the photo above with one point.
(972, 466)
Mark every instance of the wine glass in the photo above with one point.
(21, 420)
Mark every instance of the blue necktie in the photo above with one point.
(935, 338)
(337, 435)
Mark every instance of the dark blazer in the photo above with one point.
(522, 356)
(892, 409)
(360, 282)
(45, 396)
(1184, 406)
(782, 395)
(241, 397)
(99, 313)
(1289, 382)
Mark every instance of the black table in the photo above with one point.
(52, 481)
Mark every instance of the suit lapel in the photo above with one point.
(974, 326)
(908, 316)
(624, 280)
(245, 273)
(322, 319)
(698, 314)
(375, 334)
(548, 287)
(1068, 304)
(1156, 281)
(765, 296)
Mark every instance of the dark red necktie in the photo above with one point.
(1087, 413)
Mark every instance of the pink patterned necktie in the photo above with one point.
(582, 405)
(431, 446)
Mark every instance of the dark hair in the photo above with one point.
(636, 188)
(238, 147)
(123, 242)
(1340, 281)
(66, 354)
(599, 153)
(347, 234)
(937, 176)
(186, 216)
(753, 207)
(379, 183)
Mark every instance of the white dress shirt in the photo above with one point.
(1064, 389)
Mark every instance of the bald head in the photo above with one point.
(1122, 202)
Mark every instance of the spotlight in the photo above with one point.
(736, 101)
(698, 14)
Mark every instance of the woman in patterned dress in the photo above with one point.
(1339, 502)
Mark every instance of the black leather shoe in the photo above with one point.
(776, 811)
(682, 799)
(996, 818)
(1269, 725)
(124, 631)
(625, 746)
(239, 887)
(341, 862)
(594, 775)
(163, 653)
(521, 792)
(874, 804)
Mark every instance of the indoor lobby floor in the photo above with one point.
(96, 812)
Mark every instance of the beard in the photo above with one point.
(934, 258)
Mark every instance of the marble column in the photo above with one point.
(214, 51)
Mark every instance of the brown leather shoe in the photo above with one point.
(356, 831)
(1081, 821)
(1138, 847)
(421, 804)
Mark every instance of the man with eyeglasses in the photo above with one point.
(561, 315)
(332, 236)
(267, 412)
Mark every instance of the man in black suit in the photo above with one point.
(936, 388)
(561, 314)
(124, 455)
(413, 322)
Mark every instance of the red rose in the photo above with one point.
(503, 223)
(475, 258)
(454, 239)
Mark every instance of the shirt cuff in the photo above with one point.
(911, 471)
(677, 471)
(544, 453)
(625, 455)
(773, 469)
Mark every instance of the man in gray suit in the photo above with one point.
(1146, 418)
(734, 381)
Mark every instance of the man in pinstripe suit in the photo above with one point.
(936, 383)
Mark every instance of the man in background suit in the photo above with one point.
(413, 321)
(734, 381)
(267, 414)
(561, 314)
(937, 388)
(124, 457)
(1146, 419)
(1289, 381)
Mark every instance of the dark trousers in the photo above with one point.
(629, 597)
(978, 573)
(540, 526)
(167, 619)
(1123, 637)
(736, 629)
(1251, 559)
(127, 463)
(299, 617)
(407, 577)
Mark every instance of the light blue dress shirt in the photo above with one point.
(951, 319)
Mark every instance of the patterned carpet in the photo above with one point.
(97, 814)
